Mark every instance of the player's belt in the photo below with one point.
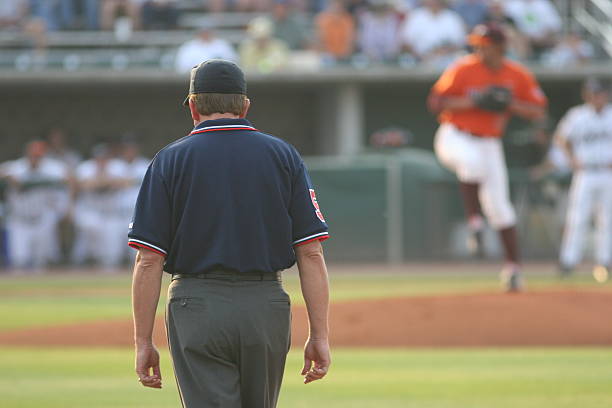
(231, 276)
(469, 132)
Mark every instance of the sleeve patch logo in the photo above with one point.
(313, 197)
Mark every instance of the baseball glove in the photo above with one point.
(494, 99)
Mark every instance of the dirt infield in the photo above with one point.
(562, 318)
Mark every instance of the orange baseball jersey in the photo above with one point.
(469, 75)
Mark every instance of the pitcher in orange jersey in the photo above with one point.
(474, 99)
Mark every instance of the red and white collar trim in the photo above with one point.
(220, 128)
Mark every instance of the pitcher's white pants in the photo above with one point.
(478, 160)
(590, 194)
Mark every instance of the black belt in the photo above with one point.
(231, 276)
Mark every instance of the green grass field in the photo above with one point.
(529, 378)
(360, 378)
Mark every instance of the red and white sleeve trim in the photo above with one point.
(136, 244)
(321, 236)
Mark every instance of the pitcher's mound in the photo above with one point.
(560, 318)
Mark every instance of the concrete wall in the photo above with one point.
(327, 113)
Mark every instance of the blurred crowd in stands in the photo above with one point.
(321, 32)
(56, 208)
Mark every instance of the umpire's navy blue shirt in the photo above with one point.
(226, 196)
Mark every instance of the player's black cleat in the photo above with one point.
(565, 271)
(512, 279)
(475, 244)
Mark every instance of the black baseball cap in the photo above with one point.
(216, 76)
(596, 85)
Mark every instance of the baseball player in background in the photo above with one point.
(135, 170)
(475, 98)
(585, 132)
(99, 222)
(36, 203)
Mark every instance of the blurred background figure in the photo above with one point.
(206, 45)
(378, 37)
(260, 51)
(249, 5)
(99, 221)
(291, 25)
(120, 11)
(539, 20)
(159, 14)
(34, 207)
(572, 49)
(585, 133)
(517, 42)
(135, 168)
(12, 14)
(473, 12)
(434, 33)
(335, 32)
(78, 14)
(58, 149)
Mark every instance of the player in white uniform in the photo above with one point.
(36, 203)
(98, 218)
(586, 134)
(135, 170)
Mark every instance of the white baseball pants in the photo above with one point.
(99, 236)
(478, 160)
(31, 244)
(590, 194)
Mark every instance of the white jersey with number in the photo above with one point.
(590, 134)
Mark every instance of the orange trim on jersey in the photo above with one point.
(321, 238)
(136, 245)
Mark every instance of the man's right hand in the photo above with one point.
(317, 360)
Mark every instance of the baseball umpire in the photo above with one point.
(225, 210)
(475, 98)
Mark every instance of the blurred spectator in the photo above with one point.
(517, 43)
(58, 148)
(335, 31)
(378, 31)
(79, 14)
(36, 30)
(260, 51)
(99, 221)
(12, 12)
(112, 10)
(159, 14)
(434, 33)
(571, 50)
(34, 206)
(473, 12)
(539, 20)
(290, 26)
(250, 5)
(47, 11)
(203, 47)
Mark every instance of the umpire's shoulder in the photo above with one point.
(277, 143)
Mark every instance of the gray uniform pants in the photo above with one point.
(228, 340)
